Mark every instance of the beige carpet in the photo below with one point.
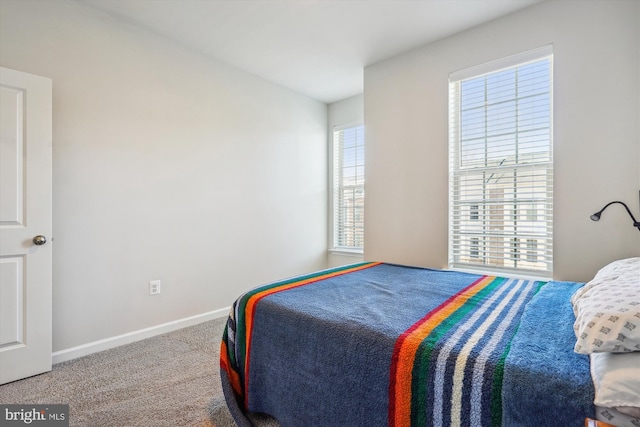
(169, 380)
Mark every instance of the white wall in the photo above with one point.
(345, 112)
(596, 133)
(168, 166)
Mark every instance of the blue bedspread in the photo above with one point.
(376, 344)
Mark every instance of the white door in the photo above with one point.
(25, 225)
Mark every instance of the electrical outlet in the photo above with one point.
(154, 287)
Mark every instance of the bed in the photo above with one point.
(373, 344)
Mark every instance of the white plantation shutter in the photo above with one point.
(501, 165)
(348, 188)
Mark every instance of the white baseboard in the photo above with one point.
(107, 343)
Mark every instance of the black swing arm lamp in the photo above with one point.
(596, 216)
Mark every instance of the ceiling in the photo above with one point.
(315, 47)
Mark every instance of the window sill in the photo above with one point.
(346, 252)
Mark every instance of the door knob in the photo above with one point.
(39, 240)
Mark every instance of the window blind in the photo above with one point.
(348, 188)
(501, 165)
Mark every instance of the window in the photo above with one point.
(532, 250)
(348, 188)
(474, 251)
(501, 165)
(474, 215)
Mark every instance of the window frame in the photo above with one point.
(517, 245)
(334, 220)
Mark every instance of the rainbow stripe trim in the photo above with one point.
(246, 307)
(458, 337)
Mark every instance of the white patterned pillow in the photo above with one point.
(607, 310)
